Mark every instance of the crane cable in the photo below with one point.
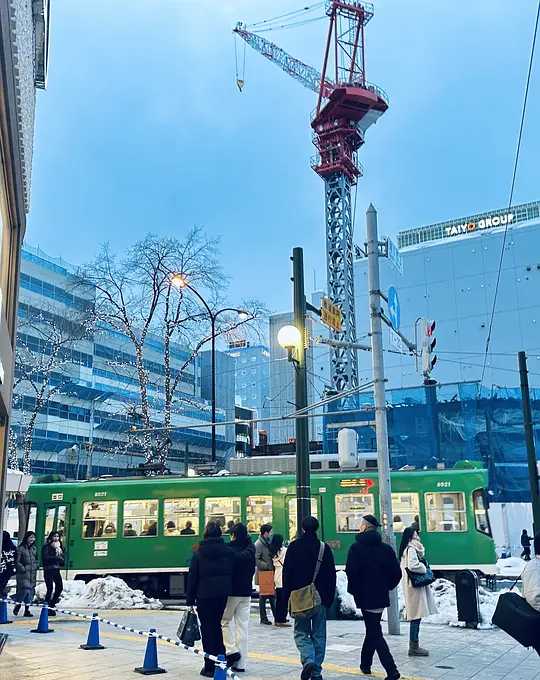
(288, 15)
(518, 148)
(240, 81)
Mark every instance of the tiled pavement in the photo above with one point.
(456, 654)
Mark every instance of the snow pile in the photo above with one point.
(346, 603)
(101, 593)
(510, 566)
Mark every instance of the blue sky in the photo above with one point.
(142, 129)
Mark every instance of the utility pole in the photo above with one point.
(381, 425)
(529, 440)
(303, 488)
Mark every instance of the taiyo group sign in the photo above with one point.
(484, 223)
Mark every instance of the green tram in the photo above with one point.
(144, 530)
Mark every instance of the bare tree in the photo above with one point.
(47, 344)
(137, 296)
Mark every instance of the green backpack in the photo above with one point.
(304, 602)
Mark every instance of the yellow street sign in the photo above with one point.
(331, 315)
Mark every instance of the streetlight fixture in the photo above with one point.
(180, 280)
(289, 338)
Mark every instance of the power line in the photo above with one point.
(516, 160)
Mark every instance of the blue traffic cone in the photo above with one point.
(150, 663)
(3, 612)
(220, 672)
(93, 634)
(43, 623)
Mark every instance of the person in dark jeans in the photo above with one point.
(301, 559)
(52, 560)
(372, 572)
(264, 562)
(209, 585)
(526, 545)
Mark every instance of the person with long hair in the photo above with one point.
(277, 550)
(8, 556)
(235, 620)
(52, 560)
(419, 602)
(209, 585)
(26, 573)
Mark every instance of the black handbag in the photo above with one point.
(188, 631)
(516, 617)
(421, 580)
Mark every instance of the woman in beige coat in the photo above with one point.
(419, 602)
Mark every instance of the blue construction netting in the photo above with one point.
(469, 422)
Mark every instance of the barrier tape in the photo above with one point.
(143, 633)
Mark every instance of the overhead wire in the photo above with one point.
(511, 197)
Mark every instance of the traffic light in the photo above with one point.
(331, 315)
(429, 359)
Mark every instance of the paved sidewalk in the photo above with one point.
(456, 654)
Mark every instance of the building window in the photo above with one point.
(140, 518)
(100, 519)
(406, 510)
(181, 517)
(224, 511)
(350, 508)
(258, 512)
(446, 512)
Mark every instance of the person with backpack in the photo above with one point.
(526, 541)
(309, 582)
(26, 567)
(419, 600)
(372, 572)
(235, 619)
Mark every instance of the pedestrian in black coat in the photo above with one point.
(8, 557)
(52, 560)
(27, 566)
(209, 584)
(526, 545)
(373, 571)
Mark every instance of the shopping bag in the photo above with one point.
(188, 631)
(266, 583)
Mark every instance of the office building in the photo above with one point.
(225, 393)
(252, 375)
(24, 45)
(450, 275)
(85, 416)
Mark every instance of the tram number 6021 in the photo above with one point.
(443, 485)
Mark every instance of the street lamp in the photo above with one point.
(180, 280)
(289, 338)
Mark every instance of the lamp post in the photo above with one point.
(291, 338)
(179, 280)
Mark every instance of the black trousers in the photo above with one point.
(526, 554)
(210, 611)
(375, 642)
(53, 578)
(262, 606)
(281, 606)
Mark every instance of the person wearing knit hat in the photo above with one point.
(372, 572)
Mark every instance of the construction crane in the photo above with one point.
(346, 106)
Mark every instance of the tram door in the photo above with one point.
(291, 515)
(57, 519)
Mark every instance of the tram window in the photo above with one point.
(480, 513)
(258, 512)
(224, 511)
(181, 517)
(350, 508)
(406, 510)
(49, 521)
(292, 515)
(100, 519)
(32, 518)
(140, 518)
(446, 511)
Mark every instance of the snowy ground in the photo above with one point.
(101, 593)
(445, 598)
(511, 566)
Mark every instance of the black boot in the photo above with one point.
(16, 609)
(27, 611)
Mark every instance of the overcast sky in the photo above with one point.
(142, 128)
